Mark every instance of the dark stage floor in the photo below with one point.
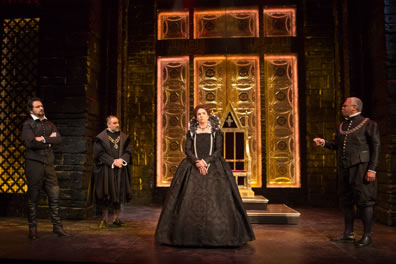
(307, 242)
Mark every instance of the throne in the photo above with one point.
(236, 150)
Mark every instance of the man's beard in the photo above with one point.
(40, 114)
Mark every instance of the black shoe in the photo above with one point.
(364, 242)
(33, 233)
(117, 222)
(346, 238)
(60, 231)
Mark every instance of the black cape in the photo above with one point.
(110, 185)
(204, 210)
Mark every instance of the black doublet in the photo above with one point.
(40, 151)
(358, 145)
(40, 169)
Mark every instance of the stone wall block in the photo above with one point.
(73, 159)
(390, 28)
(73, 145)
(390, 41)
(74, 195)
(71, 131)
(52, 67)
(390, 10)
(77, 70)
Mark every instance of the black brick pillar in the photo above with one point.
(139, 97)
(385, 95)
(323, 98)
(70, 86)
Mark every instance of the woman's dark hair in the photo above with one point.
(205, 107)
(30, 101)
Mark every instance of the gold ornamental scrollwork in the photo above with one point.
(223, 80)
(172, 115)
(282, 125)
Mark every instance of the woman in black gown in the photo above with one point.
(203, 206)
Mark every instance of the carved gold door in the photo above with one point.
(220, 81)
(223, 80)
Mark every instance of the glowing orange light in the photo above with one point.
(292, 60)
(161, 182)
(281, 13)
(215, 60)
(214, 14)
(165, 17)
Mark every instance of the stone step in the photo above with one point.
(275, 214)
(258, 202)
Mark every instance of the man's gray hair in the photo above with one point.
(109, 118)
(356, 101)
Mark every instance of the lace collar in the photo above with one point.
(213, 123)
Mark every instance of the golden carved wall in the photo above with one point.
(173, 25)
(226, 23)
(235, 80)
(172, 115)
(219, 80)
(282, 129)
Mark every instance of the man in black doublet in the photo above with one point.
(111, 171)
(39, 135)
(358, 145)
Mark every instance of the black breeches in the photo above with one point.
(42, 176)
(353, 188)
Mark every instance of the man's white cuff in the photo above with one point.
(124, 163)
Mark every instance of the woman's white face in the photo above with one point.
(202, 116)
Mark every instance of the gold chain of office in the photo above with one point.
(114, 141)
(342, 132)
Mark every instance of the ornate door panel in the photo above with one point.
(210, 79)
(172, 115)
(220, 80)
(282, 130)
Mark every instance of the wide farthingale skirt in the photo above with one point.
(203, 210)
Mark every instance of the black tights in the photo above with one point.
(366, 214)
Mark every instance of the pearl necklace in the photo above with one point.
(203, 128)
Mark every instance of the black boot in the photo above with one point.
(366, 213)
(33, 232)
(32, 219)
(58, 229)
(53, 201)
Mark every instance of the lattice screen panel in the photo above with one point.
(18, 81)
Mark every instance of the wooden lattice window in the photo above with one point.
(18, 81)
